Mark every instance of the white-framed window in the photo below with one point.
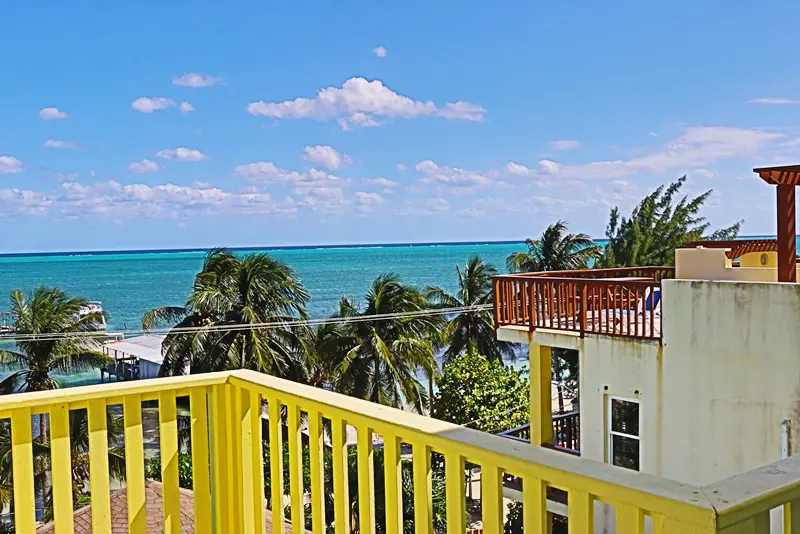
(623, 433)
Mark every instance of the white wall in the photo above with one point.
(731, 374)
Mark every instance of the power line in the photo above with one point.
(55, 336)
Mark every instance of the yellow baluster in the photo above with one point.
(168, 429)
(98, 466)
(61, 462)
(316, 446)
(296, 469)
(341, 494)
(201, 484)
(366, 482)
(423, 505)
(630, 519)
(455, 494)
(222, 501)
(534, 505)
(492, 499)
(276, 462)
(393, 478)
(22, 457)
(252, 475)
(134, 465)
(580, 518)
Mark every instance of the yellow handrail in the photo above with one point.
(227, 414)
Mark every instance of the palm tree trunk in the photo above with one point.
(43, 439)
(430, 393)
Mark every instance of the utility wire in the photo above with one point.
(55, 336)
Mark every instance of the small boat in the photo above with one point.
(94, 307)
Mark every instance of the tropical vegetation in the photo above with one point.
(380, 360)
(657, 226)
(50, 311)
(229, 290)
(555, 250)
(482, 394)
(470, 330)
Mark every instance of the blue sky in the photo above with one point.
(188, 124)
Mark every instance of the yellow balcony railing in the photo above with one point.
(227, 412)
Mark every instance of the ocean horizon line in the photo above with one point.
(108, 252)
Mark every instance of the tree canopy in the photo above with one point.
(555, 250)
(657, 226)
(230, 290)
(481, 394)
(470, 331)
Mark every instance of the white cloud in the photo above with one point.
(383, 182)
(471, 213)
(773, 101)
(116, 201)
(186, 107)
(401, 167)
(52, 143)
(50, 114)
(705, 173)
(195, 79)
(367, 199)
(379, 51)
(327, 156)
(144, 166)
(565, 144)
(181, 154)
(428, 206)
(149, 105)
(518, 170)
(10, 165)
(549, 167)
(696, 147)
(451, 176)
(360, 103)
(358, 119)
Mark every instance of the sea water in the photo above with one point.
(131, 283)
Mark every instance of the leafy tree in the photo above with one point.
(379, 360)
(481, 394)
(153, 470)
(657, 226)
(555, 250)
(470, 331)
(229, 291)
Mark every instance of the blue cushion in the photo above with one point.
(650, 303)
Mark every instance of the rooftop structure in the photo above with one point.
(687, 372)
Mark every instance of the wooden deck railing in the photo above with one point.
(226, 412)
(566, 433)
(623, 302)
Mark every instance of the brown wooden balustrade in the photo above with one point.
(566, 433)
(623, 302)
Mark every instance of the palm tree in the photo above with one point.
(379, 360)
(54, 316)
(555, 250)
(231, 291)
(52, 312)
(471, 331)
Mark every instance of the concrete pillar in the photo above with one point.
(541, 395)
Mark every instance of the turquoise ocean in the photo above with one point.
(130, 283)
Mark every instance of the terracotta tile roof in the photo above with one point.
(155, 514)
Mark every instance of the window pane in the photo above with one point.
(625, 417)
(625, 452)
